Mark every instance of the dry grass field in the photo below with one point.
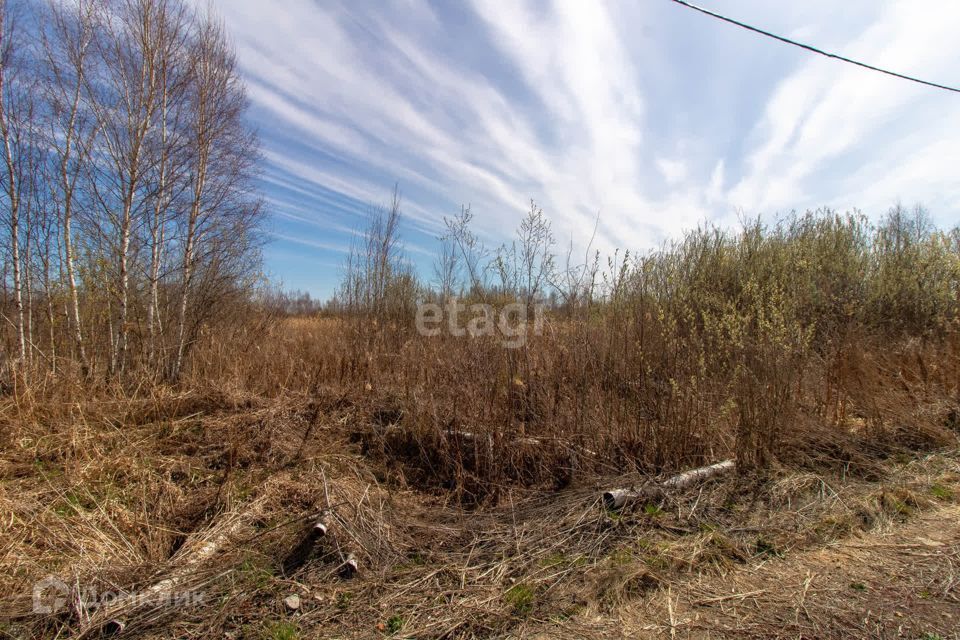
(747, 432)
(349, 474)
(209, 493)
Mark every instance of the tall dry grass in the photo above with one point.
(822, 335)
(809, 350)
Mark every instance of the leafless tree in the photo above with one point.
(378, 282)
(126, 183)
(16, 131)
(446, 266)
(70, 130)
(168, 168)
(133, 38)
(470, 251)
(220, 155)
(46, 248)
(526, 266)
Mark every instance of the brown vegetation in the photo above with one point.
(465, 478)
(167, 427)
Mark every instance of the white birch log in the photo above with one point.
(109, 617)
(321, 527)
(350, 566)
(692, 477)
(616, 498)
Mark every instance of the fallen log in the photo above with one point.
(109, 617)
(304, 549)
(349, 567)
(616, 498)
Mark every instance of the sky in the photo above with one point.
(638, 118)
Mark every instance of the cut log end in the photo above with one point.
(113, 627)
(615, 498)
(349, 567)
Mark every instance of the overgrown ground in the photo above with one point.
(463, 475)
(897, 581)
(170, 429)
(119, 495)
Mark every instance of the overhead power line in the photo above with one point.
(812, 48)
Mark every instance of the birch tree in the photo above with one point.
(221, 152)
(70, 132)
(133, 39)
(16, 124)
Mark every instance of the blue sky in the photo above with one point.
(652, 115)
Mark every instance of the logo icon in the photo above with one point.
(50, 595)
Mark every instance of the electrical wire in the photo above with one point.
(814, 49)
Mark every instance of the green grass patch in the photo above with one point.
(520, 597)
(940, 492)
(652, 510)
(252, 571)
(394, 624)
(563, 560)
(280, 630)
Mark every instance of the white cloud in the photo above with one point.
(829, 117)
(313, 244)
(595, 106)
(674, 171)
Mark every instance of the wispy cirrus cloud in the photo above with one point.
(860, 138)
(656, 117)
